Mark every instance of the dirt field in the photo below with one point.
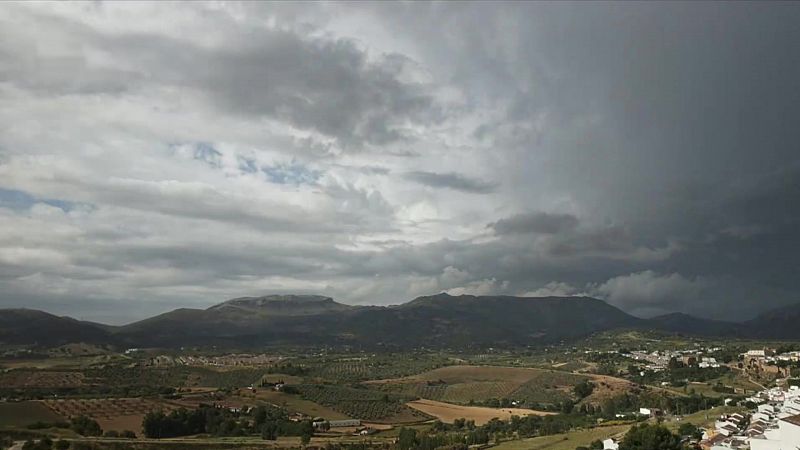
(112, 414)
(25, 413)
(447, 412)
(607, 387)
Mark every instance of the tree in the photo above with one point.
(305, 438)
(306, 431)
(583, 389)
(269, 431)
(86, 426)
(407, 439)
(650, 437)
(690, 430)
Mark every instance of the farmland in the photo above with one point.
(470, 384)
(20, 379)
(117, 414)
(295, 403)
(354, 368)
(26, 413)
(430, 393)
(364, 404)
(448, 413)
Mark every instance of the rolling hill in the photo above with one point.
(29, 326)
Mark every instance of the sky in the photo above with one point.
(162, 155)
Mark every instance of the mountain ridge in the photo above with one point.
(439, 320)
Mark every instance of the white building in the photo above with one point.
(610, 444)
(786, 437)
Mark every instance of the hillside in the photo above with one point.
(686, 324)
(780, 323)
(28, 326)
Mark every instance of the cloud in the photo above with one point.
(537, 222)
(451, 180)
(554, 289)
(648, 293)
(164, 156)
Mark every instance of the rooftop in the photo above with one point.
(794, 420)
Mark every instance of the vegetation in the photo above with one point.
(86, 426)
(361, 403)
(650, 437)
(629, 402)
(265, 421)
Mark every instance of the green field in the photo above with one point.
(465, 384)
(365, 404)
(566, 441)
(20, 414)
(351, 368)
(294, 403)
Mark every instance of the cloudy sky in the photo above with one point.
(164, 155)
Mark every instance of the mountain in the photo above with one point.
(437, 321)
(686, 324)
(29, 326)
(281, 305)
(780, 323)
(273, 319)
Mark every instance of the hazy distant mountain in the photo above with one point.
(281, 305)
(29, 326)
(780, 323)
(433, 321)
(686, 324)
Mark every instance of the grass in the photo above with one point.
(566, 441)
(25, 413)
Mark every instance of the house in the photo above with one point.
(786, 437)
(650, 412)
(610, 444)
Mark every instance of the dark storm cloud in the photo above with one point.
(451, 180)
(538, 222)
